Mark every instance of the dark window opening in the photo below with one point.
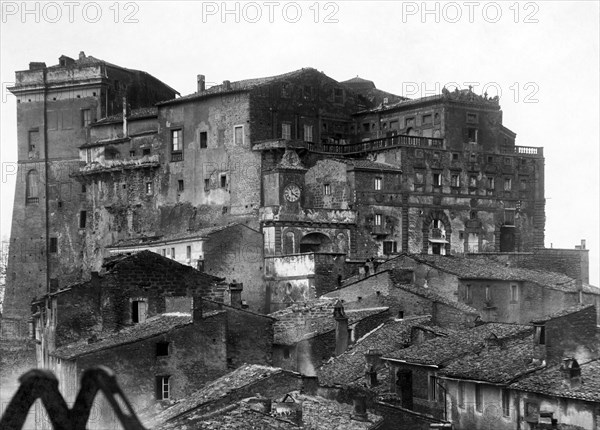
(82, 219)
(146, 151)
(86, 117)
(138, 311)
(132, 153)
(223, 181)
(540, 335)
(286, 352)
(53, 245)
(478, 398)
(390, 247)
(180, 185)
(206, 184)
(162, 349)
(203, 139)
(83, 188)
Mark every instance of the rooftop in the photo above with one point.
(241, 377)
(140, 113)
(500, 364)
(151, 327)
(367, 165)
(349, 367)
(318, 413)
(486, 268)
(562, 313)
(440, 351)
(549, 381)
(309, 319)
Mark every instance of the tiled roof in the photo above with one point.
(496, 364)
(564, 312)
(549, 381)
(318, 413)
(369, 165)
(486, 268)
(439, 351)
(146, 241)
(590, 289)
(242, 376)
(151, 327)
(434, 297)
(139, 113)
(237, 86)
(349, 367)
(305, 320)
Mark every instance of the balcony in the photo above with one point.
(177, 156)
(531, 151)
(148, 161)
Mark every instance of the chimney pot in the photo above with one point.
(81, 55)
(582, 243)
(360, 408)
(226, 85)
(201, 83)
(36, 65)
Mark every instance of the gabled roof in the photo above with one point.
(349, 367)
(499, 364)
(440, 351)
(151, 327)
(487, 269)
(306, 320)
(221, 387)
(549, 381)
(562, 313)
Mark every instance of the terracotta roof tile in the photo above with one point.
(563, 312)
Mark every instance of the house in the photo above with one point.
(394, 288)
(265, 398)
(306, 335)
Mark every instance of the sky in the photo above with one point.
(541, 58)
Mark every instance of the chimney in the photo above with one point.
(235, 294)
(310, 385)
(341, 328)
(360, 408)
(197, 308)
(201, 79)
(81, 55)
(571, 373)
(36, 65)
(226, 85)
(582, 243)
(373, 362)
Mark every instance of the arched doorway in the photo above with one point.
(315, 242)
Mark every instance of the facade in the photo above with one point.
(340, 169)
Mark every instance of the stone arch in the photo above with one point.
(436, 214)
(316, 242)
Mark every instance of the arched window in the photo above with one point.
(31, 187)
(289, 243)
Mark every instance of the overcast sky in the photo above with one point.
(541, 58)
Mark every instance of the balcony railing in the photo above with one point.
(527, 150)
(375, 144)
(177, 156)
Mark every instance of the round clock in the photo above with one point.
(291, 193)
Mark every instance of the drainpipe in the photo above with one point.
(46, 176)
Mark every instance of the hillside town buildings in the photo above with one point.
(266, 250)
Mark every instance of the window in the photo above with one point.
(326, 189)
(378, 219)
(173, 253)
(473, 215)
(461, 394)
(478, 398)
(149, 190)
(238, 133)
(509, 217)
(164, 252)
(410, 122)
(31, 191)
(188, 252)
(146, 151)
(419, 153)
(308, 133)
(540, 335)
(132, 153)
(176, 145)
(366, 126)
(162, 349)
(390, 247)
(488, 293)
(472, 135)
(206, 184)
(88, 155)
(338, 95)
(180, 185)
(203, 139)
(490, 183)
(490, 159)
(285, 90)
(86, 117)
(378, 182)
(437, 179)
(138, 311)
(162, 387)
(427, 119)
(507, 161)
(82, 219)
(472, 118)
(223, 181)
(514, 293)
(455, 180)
(53, 245)
(455, 156)
(468, 293)
(286, 131)
(506, 403)
(418, 178)
(34, 137)
(433, 394)
(507, 184)
(286, 352)
(472, 181)
(394, 124)
(523, 184)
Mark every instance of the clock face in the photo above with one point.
(291, 193)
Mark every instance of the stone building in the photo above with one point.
(338, 169)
